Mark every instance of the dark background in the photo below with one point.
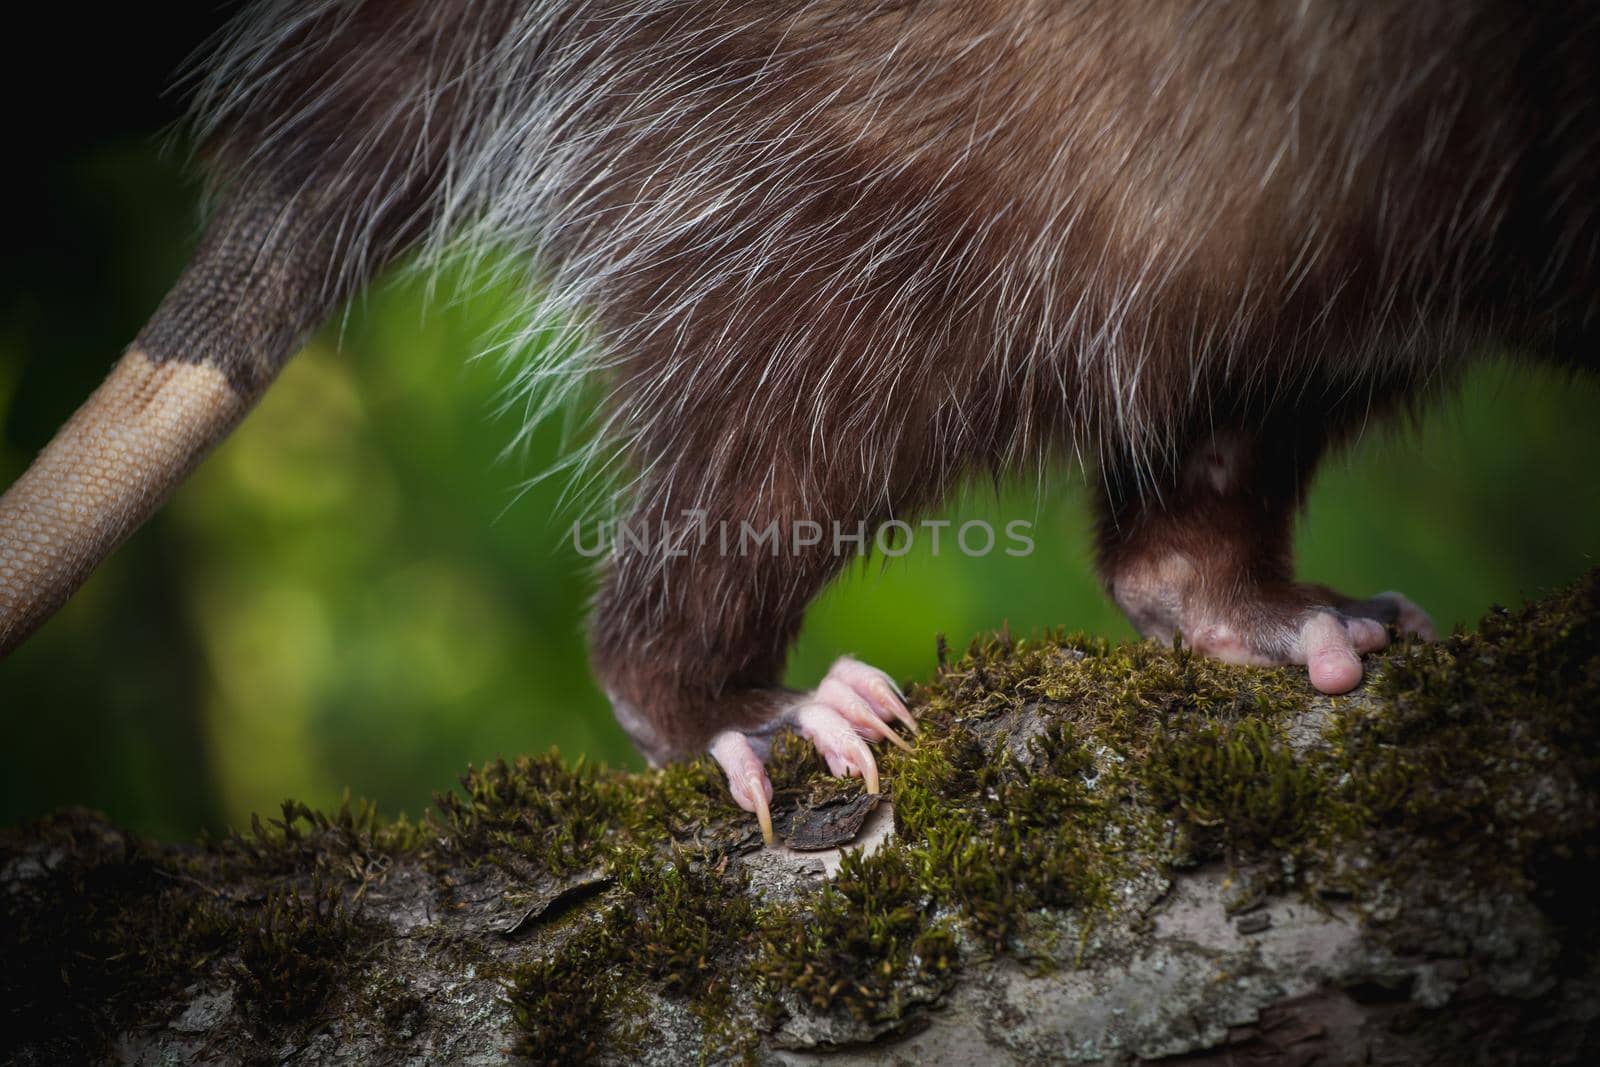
(351, 591)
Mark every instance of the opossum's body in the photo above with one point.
(829, 257)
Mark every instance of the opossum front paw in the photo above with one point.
(854, 704)
(1310, 626)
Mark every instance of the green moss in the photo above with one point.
(998, 837)
(794, 764)
(535, 809)
(1484, 754)
(537, 816)
(683, 920)
(1050, 771)
(690, 929)
(675, 925)
(292, 951)
(729, 1034)
(350, 844)
(1492, 733)
(1234, 784)
(565, 1007)
(865, 945)
(684, 930)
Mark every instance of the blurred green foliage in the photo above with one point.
(351, 592)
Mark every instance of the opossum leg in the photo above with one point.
(689, 639)
(1209, 561)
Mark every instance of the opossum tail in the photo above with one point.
(253, 291)
(327, 128)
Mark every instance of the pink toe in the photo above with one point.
(1367, 635)
(856, 672)
(843, 749)
(1335, 672)
(875, 688)
(1330, 659)
(847, 703)
(747, 778)
(1410, 618)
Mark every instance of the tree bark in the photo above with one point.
(1095, 854)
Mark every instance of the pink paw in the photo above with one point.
(854, 704)
(1327, 640)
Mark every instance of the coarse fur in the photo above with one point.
(829, 257)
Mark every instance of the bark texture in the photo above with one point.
(1096, 854)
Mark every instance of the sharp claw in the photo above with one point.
(889, 697)
(895, 739)
(837, 740)
(747, 779)
(886, 696)
(887, 677)
(861, 707)
(763, 814)
(906, 718)
(862, 760)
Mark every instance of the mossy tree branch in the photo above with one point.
(1094, 853)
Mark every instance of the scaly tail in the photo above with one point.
(327, 125)
(256, 287)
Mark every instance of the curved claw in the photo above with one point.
(836, 739)
(847, 702)
(764, 817)
(747, 778)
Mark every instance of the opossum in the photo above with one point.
(827, 258)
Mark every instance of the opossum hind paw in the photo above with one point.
(1330, 643)
(1327, 638)
(854, 704)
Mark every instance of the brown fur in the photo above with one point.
(1421, 234)
(1283, 218)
